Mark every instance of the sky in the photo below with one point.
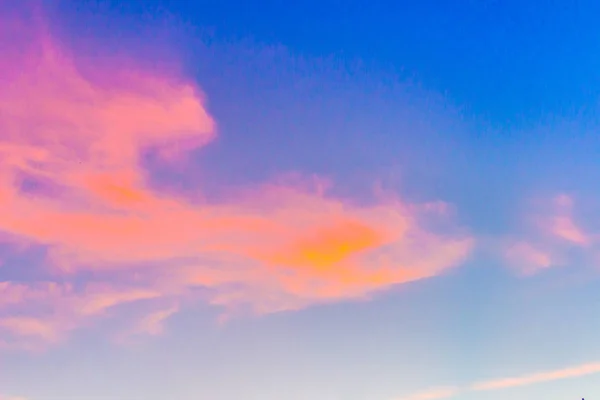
(299, 200)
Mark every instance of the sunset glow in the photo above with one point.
(247, 215)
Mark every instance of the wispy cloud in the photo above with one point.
(562, 224)
(552, 233)
(434, 394)
(74, 180)
(509, 382)
(153, 323)
(538, 377)
(44, 314)
(11, 397)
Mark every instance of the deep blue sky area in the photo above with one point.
(506, 62)
(513, 86)
(519, 81)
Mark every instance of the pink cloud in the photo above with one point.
(11, 398)
(150, 324)
(30, 327)
(528, 259)
(81, 138)
(44, 313)
(550, 238)
(561, 223)
(434, 394)
(564, 228)
(509, 383)
(539, 377)
(153, 323)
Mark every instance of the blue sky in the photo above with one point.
(322, 200)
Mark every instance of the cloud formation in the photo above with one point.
(553, 234)
(509, 383)
(75, 181)
(540, 377)
(33, 315)
(434, 394)
(11, 398)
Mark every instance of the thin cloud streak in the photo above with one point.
(510, 382)
(541, 377)
(434, 394)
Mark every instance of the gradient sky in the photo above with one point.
(220, 200)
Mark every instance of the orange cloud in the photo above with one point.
(79, 140)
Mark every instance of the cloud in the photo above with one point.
(528, 259)
(539, 377)
(11, 397)
(153, 323)
(434, 394)
(44, 313)
(510, 382)
(562, 225)
(552, 235)
(75, 180)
